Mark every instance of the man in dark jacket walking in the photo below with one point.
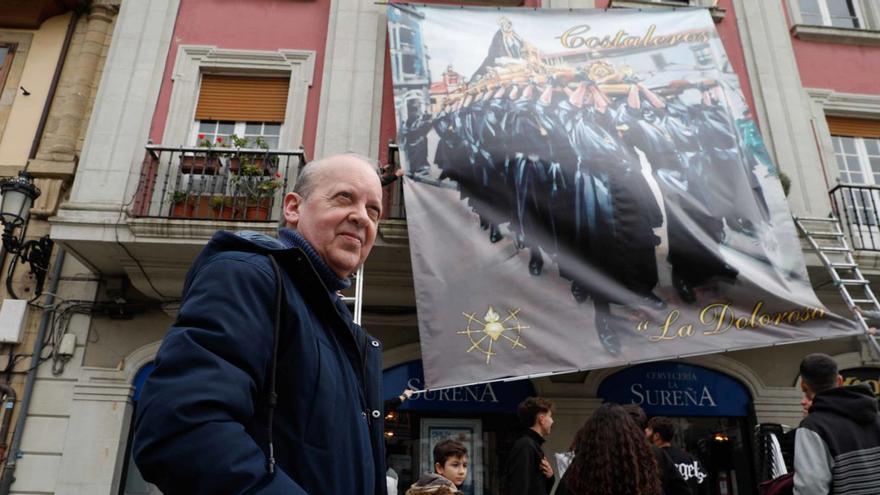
(205, 420)
(660, 431)
(671, 479)
(837, 446)
(528, 470)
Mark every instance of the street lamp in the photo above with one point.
(19, 194)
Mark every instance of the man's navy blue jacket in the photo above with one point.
(201, 420)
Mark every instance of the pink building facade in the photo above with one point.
(137, 215)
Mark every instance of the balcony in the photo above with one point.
(180, 196)
(217, 184)
(856, 207)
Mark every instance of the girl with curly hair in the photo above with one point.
(611, 458)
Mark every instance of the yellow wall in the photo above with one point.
(36, 78)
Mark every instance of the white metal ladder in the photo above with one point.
(357, 301)
(826, 237)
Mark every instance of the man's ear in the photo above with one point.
(292, 204)
(437, 468)
(804, 387)
(839, 380)
(538, 419)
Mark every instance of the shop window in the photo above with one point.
(836, 13)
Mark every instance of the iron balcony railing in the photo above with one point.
(855, 205)
(215, 183)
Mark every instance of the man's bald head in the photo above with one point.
(305, 181)
(336, 205)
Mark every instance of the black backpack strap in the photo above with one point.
(270, 380)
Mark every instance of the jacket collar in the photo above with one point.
(292, 239)
(534, 436)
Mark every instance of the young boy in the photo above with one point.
(450, 470)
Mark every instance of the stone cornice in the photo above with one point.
(717, 13)
(828, 34)
(846, 104)
(393, 231)
(166, 228)
(213, 59)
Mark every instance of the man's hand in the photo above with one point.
(546, 468)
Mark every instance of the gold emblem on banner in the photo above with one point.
(485, 332)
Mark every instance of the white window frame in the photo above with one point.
(239, 129)
(825, 103)
(194, 60)
(868, 33)
(863, 159)
(826, 14)
(862, 215)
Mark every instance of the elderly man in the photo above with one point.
(264, 384)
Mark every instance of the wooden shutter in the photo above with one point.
(848, 126)
(242, 98)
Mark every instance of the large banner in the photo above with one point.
(587, 189)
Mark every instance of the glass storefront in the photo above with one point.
(712, 412)
(483, 417)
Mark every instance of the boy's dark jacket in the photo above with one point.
(524, 476)
(201, 420)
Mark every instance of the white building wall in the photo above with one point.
(49, 416)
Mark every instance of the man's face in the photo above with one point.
(454, 469)
(654, 438)
(807, 399)
(340, 216)
(545, 423)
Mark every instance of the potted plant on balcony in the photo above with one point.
(261, 159)
(206, 163)
(258, 207)
(183, 204)
(258, 190)
(222, 206)
(235, 160)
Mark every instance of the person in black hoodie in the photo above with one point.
(837, 446)
(670, 478)
(660, 431)
(528, 470)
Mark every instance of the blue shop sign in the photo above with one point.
(500, 397)
(676, 389)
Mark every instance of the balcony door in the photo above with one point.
(857, 201)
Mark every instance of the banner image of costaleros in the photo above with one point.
(587, 189)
